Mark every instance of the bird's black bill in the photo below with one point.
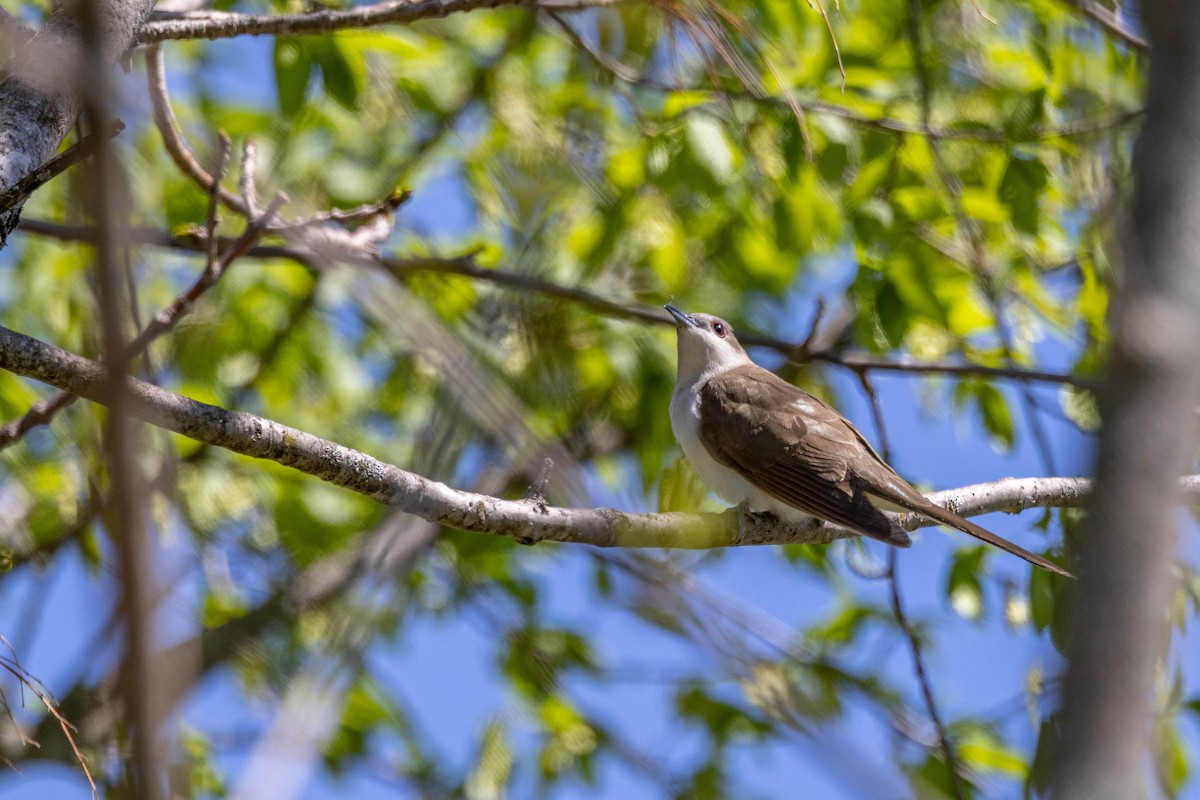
(682, 320)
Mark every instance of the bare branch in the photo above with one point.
(212, 219)
(56, 166)
(1109, 20)
(918, 657)
(13, 666)
(860, 361)
(168, 128)
(45, 410)
(40, 95)
(258, 437)
(466, 266)
(223, 25)
(245, 200)
(248, 178)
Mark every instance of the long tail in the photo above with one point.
(983, 534)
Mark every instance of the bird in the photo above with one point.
(763, 444)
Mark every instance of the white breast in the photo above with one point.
(723, 481)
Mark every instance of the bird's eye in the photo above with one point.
(719, 329)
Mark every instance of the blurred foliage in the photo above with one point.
(955, 201)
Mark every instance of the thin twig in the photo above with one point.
(466, 266)
(45, 410)
(211, 221)
(167, 318)
(885, 446)
(172, 136)
(246, 203)
(57, 165)
(914, 646)
(1110, 21)
(248, 178)
(13, 666)
(346, 216)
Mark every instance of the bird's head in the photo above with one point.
(706, 345)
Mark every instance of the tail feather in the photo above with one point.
(983, 534)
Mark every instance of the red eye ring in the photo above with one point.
(719, 329)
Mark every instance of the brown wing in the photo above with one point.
(793, 447)
(804, 453)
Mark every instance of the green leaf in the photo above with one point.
(843, 627)
(536, 658)
(341, 80)
(707, 783)
(993, 412)
(933, 774)
(1193, 705)
(963, 587)
(1080, 407)
(490, 777)
(1020, 189)
(1171, 760)
(892, 313)
(1027, 114)
(1042, 599)
(364, 712)
(983, 750)
(183, 204)
(293, 67)
(1016, 608)
(1050, 602)
(868, 180)
(572, 739)
(722, 720)
(710, 145)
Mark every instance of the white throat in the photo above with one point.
(701, 357)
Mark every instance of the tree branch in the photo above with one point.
(17, 193)
(245, 204)
(1120, 627)
(40, 97)
(467, 267)
(1109, 20)
(42, 412)
(224, 25)
(526, 522)
(914, 647)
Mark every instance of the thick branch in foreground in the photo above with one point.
(39, 98)
(1121, 630)
(525, 521)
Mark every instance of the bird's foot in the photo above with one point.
(744, 516)
(743, 510)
